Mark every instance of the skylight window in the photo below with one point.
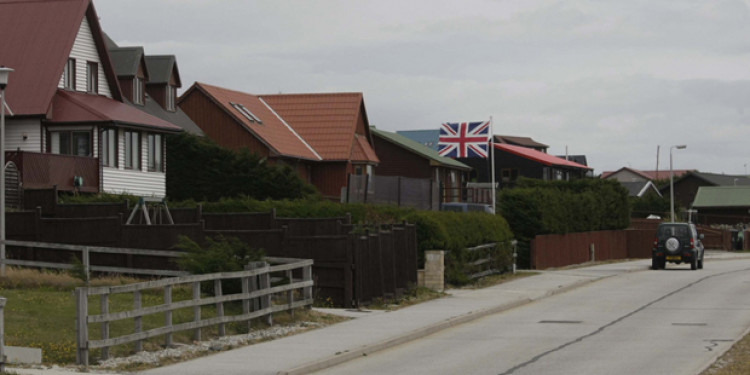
(245, 112)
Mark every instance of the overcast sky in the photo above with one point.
(612, 80)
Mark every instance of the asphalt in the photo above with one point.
(371, 331)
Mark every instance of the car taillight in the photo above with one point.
(692, 243)
(656, 241)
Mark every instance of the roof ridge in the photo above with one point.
(290, 128)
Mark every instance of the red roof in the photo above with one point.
(328, 122)
(76, 107)
(273, 131)
(37, 37)
(539, 156)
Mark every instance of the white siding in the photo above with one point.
(84, 50)
(15, 130)
(135, 182)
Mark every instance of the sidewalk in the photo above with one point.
(373, 331)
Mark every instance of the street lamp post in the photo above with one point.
(671, 178)
(4, 72)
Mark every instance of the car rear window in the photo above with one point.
(672, 231)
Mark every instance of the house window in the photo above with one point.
(245, 112)
(137, 91)
(171, 94)
(69, 75)
(92, 77)
(155, 147)
(109, 148)
(509, 175)
(132, 150)
(70, 143)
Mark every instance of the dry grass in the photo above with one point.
(736, 361)
(412, 296)
(26, 278)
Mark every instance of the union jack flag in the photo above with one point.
(464, 139)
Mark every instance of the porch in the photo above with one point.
(43, 171)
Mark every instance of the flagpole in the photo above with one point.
(492, 155)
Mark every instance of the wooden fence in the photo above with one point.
(255, 296)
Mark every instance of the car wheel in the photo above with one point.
(694, 263)
(654, 263)
(700, 262)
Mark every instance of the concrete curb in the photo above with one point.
(346, 356)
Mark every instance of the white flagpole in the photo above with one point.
(492, 155)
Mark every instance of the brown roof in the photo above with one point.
(273, 131)
(37, 37)
(519, 141)
(328, 122)
(76, 107)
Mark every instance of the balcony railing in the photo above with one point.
(42, 171)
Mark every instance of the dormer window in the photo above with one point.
(137, 91)
(92, 77)
(245, 112)
(171, 94)
(69, 75)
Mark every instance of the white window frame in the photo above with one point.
(137, 90)
(132, 150)
(170, 102)
(92, 77)
(69, 74)
(155, 153)
(109, 147)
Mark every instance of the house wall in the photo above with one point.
(685, 190)
(218, 125)
(136, 182)
(397, 161)
(158, 93)
(84, 49)
(16, 129)
(329, 178)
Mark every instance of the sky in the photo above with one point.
(610, 79)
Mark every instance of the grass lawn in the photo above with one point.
(40, 313)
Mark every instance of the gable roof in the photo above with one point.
(580, 159)
(722, 196)
(126, 61)
(161, 68)
(539, 156)
(418, 149)
(327, 122)
(519, 141)
(650, 175)
(37, 37)
(717, 179)
(274, 132)
(77, 107)
(626, 169)
(639, 188)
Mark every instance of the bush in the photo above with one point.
(200, 169)
(222, 254)
(537, 207)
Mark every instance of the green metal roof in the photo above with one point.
(160, 68)
(722, 196)
(418, 149)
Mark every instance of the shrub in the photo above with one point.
(222, 254)
(537, 207)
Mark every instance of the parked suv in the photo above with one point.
(677, 243)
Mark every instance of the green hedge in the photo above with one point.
(202, 170)
(537, 207)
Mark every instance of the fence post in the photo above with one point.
(245, 281)
(82, 331)
(290, 292)
(219, 307)
(138, 320)
(104, 310)
(308, 291)
(197, 309)
(86, 263)
(168, 315)
(2, 334)
(265, 302)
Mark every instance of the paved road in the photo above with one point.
(674, 321)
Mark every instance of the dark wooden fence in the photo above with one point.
(574, 248)
(349, 268)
